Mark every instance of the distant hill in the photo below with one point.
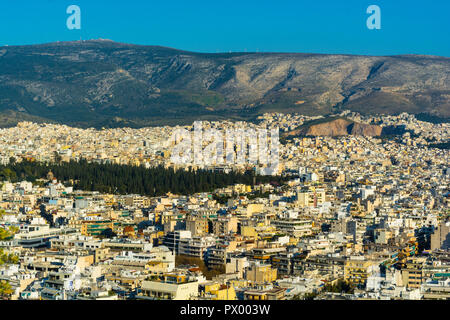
(335, 127)
(104, 83)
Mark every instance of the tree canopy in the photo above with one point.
(127, 179)
(5, 288)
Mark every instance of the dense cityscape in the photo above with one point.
(351, 217)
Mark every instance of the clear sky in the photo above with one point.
(319, 26)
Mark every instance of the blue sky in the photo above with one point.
(339, 26)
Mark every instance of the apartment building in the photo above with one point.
(197, 226)
(413, 272)
(225, 225)
(169, 287)
(440, 239)
(260, 273)
(358, 269)
(294, 227)
(196, 246)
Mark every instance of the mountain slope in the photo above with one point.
(103, 83)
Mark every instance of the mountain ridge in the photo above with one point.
(125, 44)
(105, 83)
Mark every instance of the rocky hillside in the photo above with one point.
(336, 127)
(103, 83)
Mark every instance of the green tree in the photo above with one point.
(13, 259)
(125, 179)
(108, 233)
(4, 234)
(5, 289)
(56, 157)
(341, 286)
(13, 230)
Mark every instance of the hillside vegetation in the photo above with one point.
(102, 83)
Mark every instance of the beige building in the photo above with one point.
(225, 225)
(311, 197)
(261, 273)
(197, 226)
(440, 239)
(169, 287)
(356, 271)
(413, 273)
(135, 201)
(253, 208)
